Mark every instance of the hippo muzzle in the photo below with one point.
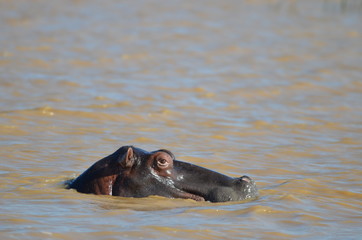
(212, 186)
(133, 172)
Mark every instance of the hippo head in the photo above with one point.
(133, 172)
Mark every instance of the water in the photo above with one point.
(271, 89)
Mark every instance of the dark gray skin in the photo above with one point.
(133, 172)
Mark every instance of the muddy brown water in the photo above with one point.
(271, 89)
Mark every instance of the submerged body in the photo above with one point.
(133, 172)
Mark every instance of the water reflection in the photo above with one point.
(267, 88)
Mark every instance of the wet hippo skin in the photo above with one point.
(133, 172)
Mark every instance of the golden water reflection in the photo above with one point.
(271, 89)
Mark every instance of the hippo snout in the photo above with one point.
(247, 187)
(242, 188)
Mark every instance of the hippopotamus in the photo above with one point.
(134, 172)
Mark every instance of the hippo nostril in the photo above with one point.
(246, 179)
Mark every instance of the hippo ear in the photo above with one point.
(126, 160)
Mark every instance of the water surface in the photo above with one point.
(271, 89)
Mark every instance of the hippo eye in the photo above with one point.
(162, 163)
